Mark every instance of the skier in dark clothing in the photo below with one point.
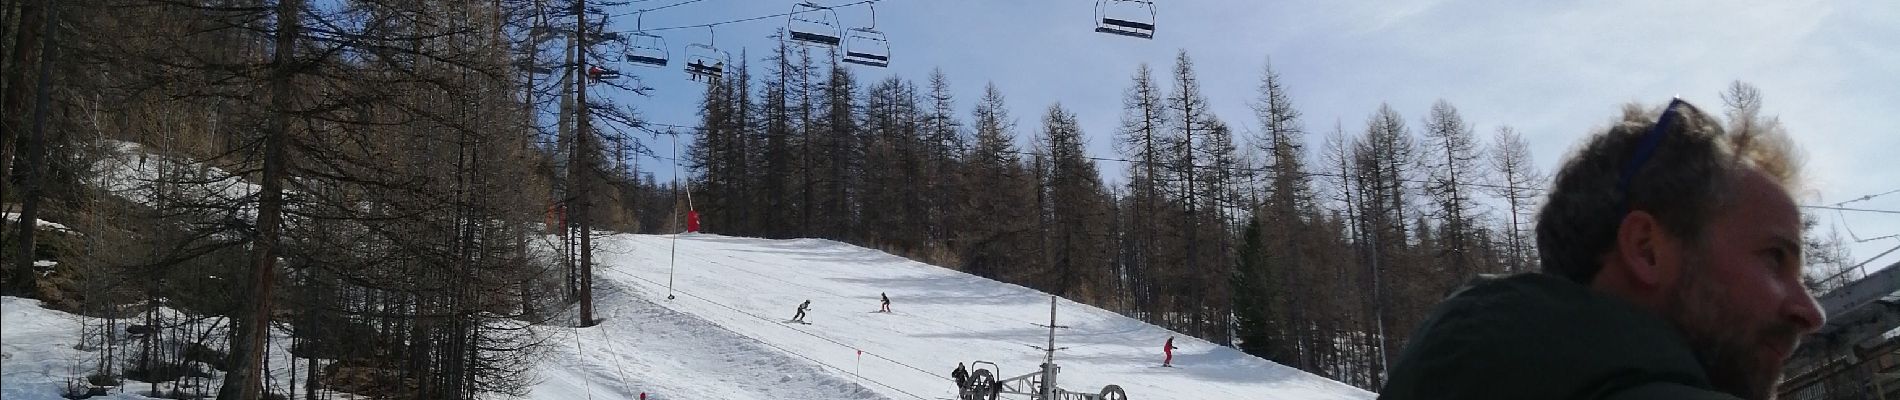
(886, 306)
(1671, 270)
(962, 377)
(801, 311)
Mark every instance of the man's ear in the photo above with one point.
(1640, 246)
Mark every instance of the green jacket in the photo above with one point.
(1537, 336)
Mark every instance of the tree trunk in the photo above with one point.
(579, 172)
(245, 378)
(12, 118)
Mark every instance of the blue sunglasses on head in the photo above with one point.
(1647, 148)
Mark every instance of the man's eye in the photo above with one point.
(1779, 258)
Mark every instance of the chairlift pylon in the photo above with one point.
(645, 48)
(867, 46)
(814, 24)
(1132, 18)
(705, 60)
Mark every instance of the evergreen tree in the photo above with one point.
(1141, 138)
(777, 181)
(894, 162)
(944, 146)
(1282, 226)
(1079, 208)
(1254, 321)
(997, 200)
(834, 170)
(1190, 119)
(1383, 160)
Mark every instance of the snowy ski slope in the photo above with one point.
(725, 336)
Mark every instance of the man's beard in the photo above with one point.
(1725, 341)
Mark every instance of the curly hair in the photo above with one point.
(1690, 174)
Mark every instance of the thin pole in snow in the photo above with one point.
(673, 255)
(676, 172)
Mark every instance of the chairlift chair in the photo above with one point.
(645, 48)
(814, 24)
(602, 74)
(867, 46)
(1132, 18)
(704, 60)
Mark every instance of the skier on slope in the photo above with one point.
(962, 377)
(886, 306)
(801, 311)
(1167, 349)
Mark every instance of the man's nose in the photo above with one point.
(1804, 312)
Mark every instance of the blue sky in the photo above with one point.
(1554, 70)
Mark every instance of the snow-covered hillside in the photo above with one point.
(725, 335)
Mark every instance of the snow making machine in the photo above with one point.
(984, 384)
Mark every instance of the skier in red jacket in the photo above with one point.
(1168, 350)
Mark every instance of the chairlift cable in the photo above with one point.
(1841, 221)
(658, 8)
(1866, 198)
(735, 21)
(1875, 257)
(1866, 210)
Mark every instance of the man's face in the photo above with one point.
(1740, 301)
